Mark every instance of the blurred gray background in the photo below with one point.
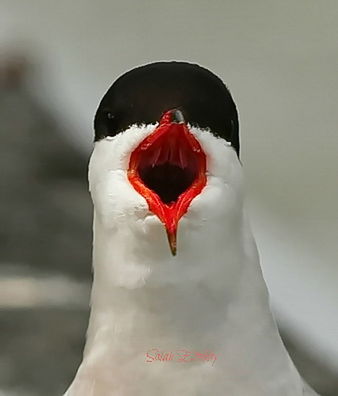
(57, 59)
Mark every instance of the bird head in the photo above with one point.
(166, 140)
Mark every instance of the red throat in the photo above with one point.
(168, 168)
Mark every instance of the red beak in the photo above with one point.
(168, 168)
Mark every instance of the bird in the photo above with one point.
(179, 305)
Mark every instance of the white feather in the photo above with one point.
(210, 297)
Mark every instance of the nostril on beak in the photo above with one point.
(177, 117)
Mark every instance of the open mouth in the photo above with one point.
(168, 168)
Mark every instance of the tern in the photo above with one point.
(179, 305)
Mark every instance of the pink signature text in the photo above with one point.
(180, 355)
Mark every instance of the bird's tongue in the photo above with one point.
(168, 168)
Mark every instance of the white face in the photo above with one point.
(118, 205)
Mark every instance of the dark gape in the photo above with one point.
(168, 181)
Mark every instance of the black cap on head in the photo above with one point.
(143, 94)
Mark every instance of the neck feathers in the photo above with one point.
(148, 305)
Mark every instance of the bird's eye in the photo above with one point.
(110, 122)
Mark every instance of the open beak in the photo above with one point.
(168, 168)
